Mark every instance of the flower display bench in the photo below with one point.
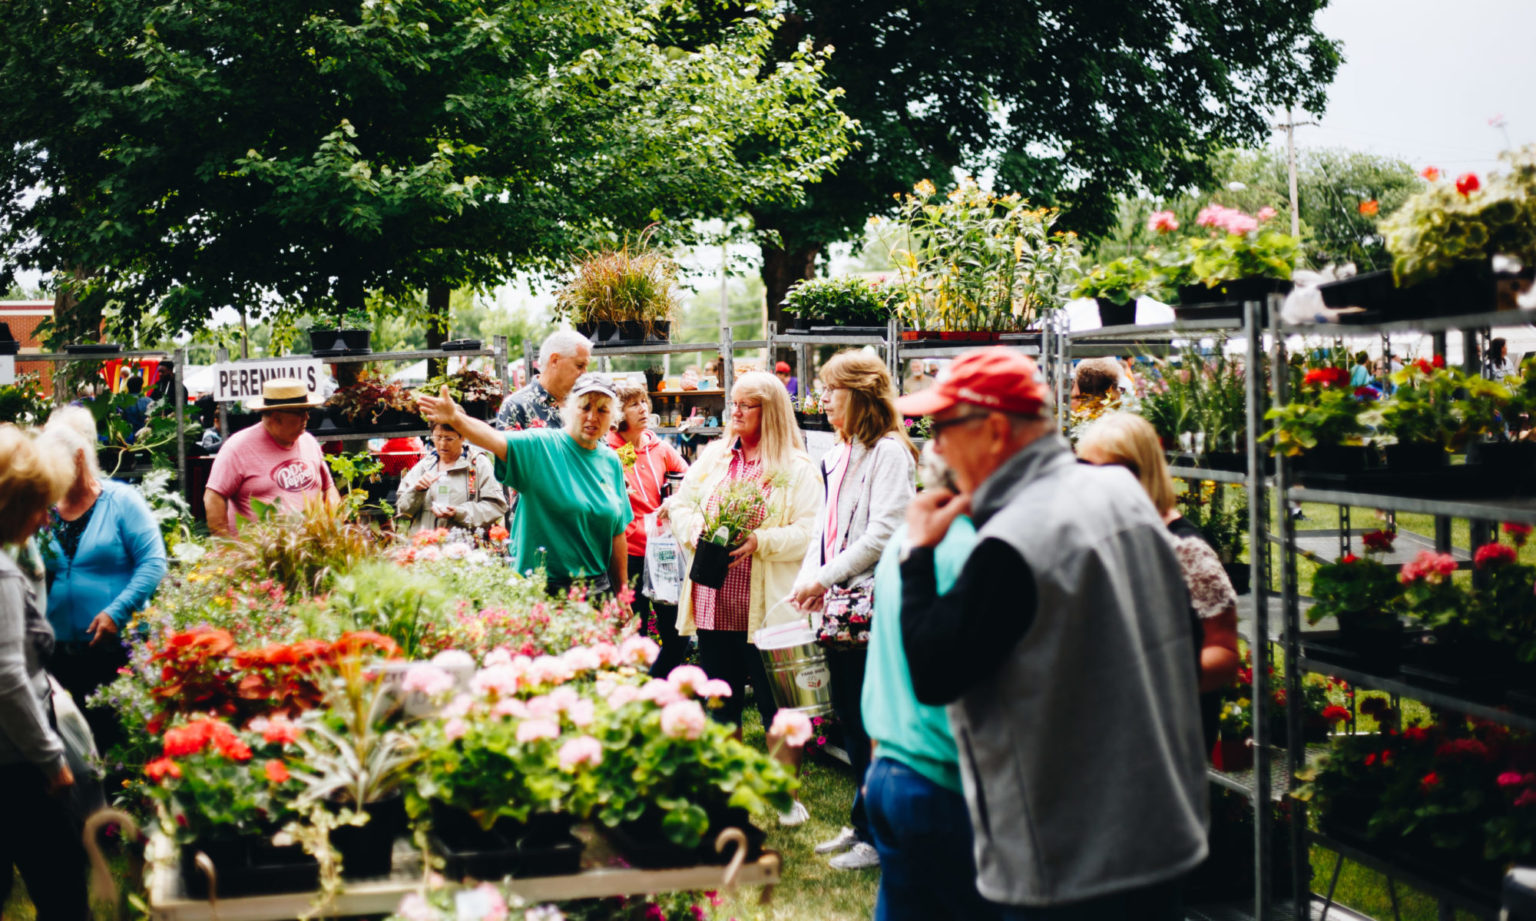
(168, 901)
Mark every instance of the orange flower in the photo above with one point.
(1430, 173)
(161, 768)
(277, 771)
(498, 533)
(1370, 208)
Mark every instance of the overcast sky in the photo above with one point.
(1422, 78)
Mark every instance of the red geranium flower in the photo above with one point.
(276, 771)
(1349, 558)
(1429, 781)
(1518, 532)
(1493, 555)
(1378, 541)
(161, 768)
(1334, 713)
(1327, 377)
(1438, 361)
(1467, 183)
(1369, 208)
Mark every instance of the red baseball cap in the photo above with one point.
(781, 368)
(996, 378)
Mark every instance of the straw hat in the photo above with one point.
(285, 393)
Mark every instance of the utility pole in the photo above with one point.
(1289, 126)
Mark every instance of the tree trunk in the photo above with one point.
(438, 315)
(781, 269)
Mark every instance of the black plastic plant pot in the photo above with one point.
(1338, 459)
(1240, 575)
(587, 328)
(248, 866)
(710, 564)
(366, 850)
(9, 345)
(661, 331)
(1512, 457)
(1112, 314)
(643, 843)
(1415, 457)
(631, 331)
(606, 332)
(1371, 290)
(356, 340)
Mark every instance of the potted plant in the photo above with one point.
(348, 334)
(1363, 596)
(479, 393)
(353, 761)
(1116, 285)
(375, 404)
(23, 403)
(809, 413)
(1322, 424)
(1242, 258)
(849, 305)
(1224, 524)
(738, 507)
(623, 295)
(972, 262)
(1444, 238)
(225, 793)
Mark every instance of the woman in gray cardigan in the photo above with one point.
(869, 480)
(40, 838)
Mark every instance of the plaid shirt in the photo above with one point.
(726, 608)
(529, 408)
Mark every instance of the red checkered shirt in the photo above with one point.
(727, 607)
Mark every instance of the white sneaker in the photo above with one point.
(858, 857)
(796, 815)
(845, 839)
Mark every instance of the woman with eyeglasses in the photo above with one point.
(868, 480)
(1130, 441)
(572, 507)
(454, 486)
(761, 444)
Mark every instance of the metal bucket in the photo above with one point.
(797, 669)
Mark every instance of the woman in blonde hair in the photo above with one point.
(41, 838)
(1130, 441)
(868, 480)
(761, 444)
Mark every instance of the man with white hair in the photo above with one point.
(562, 358)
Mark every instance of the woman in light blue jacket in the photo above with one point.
(105, 559)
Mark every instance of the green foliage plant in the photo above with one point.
(1240, 246)
(972, 260)
(212, 781)
(1323, 412)
(1224, 522)
(1119, 282)
(1363, 590)
(302, 552)
(738, 505)
(850, 300)
(1454, 222)
(1436, 405)
(23, 403)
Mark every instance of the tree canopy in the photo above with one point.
(179, 157)
(1068, 102)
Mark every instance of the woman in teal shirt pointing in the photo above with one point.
(572, 506)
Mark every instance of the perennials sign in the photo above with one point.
(243, 380)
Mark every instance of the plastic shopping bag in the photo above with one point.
(663, 563)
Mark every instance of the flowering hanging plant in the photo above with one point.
(1240, 245)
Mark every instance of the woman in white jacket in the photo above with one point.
(869, 479)
(762, 444)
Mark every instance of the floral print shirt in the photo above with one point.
(529, 408)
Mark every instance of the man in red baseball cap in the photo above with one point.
(1064, 652)
(786, 377)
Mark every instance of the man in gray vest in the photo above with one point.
(1065, 654)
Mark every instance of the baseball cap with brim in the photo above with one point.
(285, 393)
(998, 379)
(593, 383)
(781, 368)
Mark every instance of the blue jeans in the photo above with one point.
(1158, 902)
(923, 834)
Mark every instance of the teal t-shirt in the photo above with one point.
(913, 733)
(571, 503)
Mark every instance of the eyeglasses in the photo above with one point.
(938, 426)
(743, 407)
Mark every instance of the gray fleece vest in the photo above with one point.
(1081, 756)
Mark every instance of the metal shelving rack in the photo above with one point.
(1268, 779)
(179, 394)
(1480, 513)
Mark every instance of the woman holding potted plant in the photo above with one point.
(759, 454)
(647, 460)
(453, 485)
(572, 507)
(1129, 441)
(868, 480)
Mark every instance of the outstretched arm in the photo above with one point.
(442, 409)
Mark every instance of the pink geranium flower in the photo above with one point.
(1162, 222)
(533, 730)
(578, 751)
(793, 726)
(683, 719)
(638, 650)
(688, 679)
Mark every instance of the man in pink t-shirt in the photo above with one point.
(276, 461)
